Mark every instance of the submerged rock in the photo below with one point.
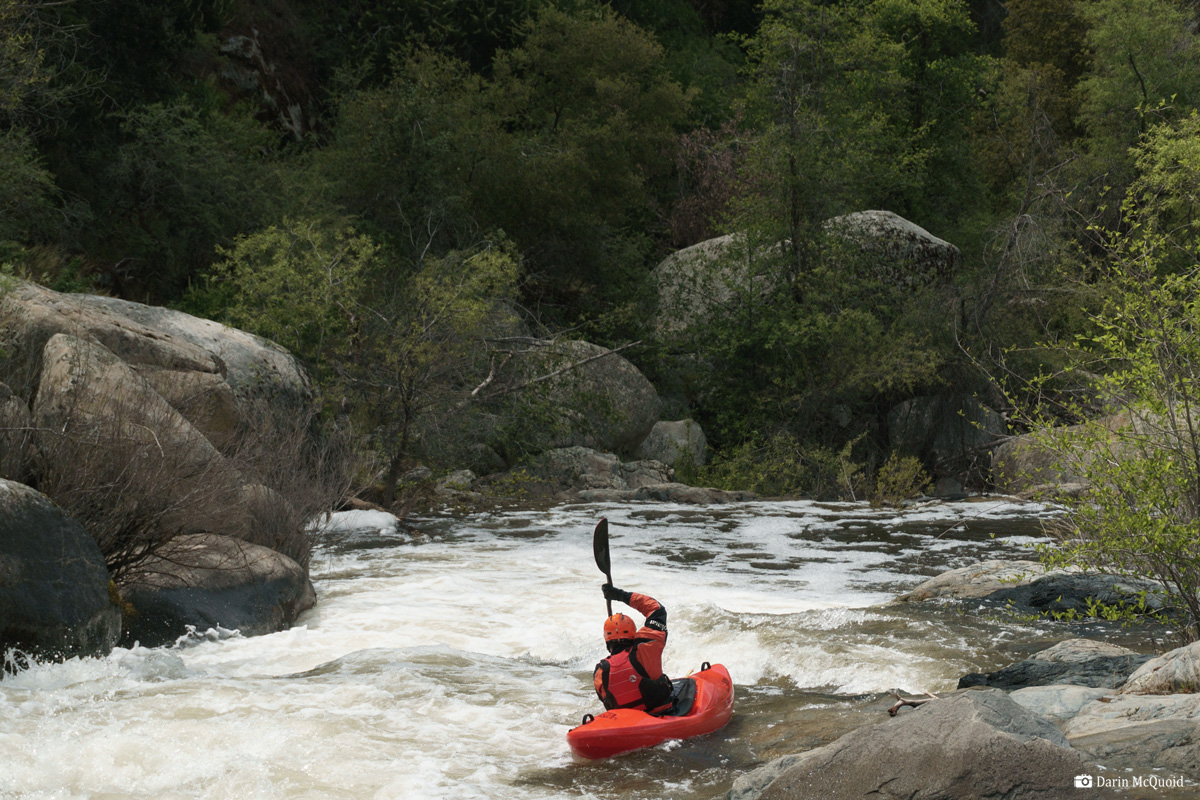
(54, 600)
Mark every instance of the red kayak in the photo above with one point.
(704, 703)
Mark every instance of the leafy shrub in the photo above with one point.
(900, 478)
(781, 465)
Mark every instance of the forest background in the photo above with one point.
(408, 195)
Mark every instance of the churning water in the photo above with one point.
(451, 664)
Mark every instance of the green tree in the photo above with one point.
(27, 190)
(175, 184)
(404, 154)
(1141, 516)
(299, 284)
(590, 111)
(400, 351)
(857, 105)
(1144, 68)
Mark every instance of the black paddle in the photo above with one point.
(600, 550)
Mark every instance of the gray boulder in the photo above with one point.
(974, 581)
(951, 434)
(1170, 673)
(1029, 465)
(899, 251)
(716, 276)
(667, 442)
(597, 399)
(568, 470)
(84, 387)
(54, 598)
(974, 744)
(202, 365)
(1140, 732)
(1025, 587)
(708, 278)
(1079, 662)
(210, 581)
(679, 493)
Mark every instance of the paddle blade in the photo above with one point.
(600, 546)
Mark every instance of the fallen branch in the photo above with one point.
(909, 701)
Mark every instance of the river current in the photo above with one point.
(451, 664)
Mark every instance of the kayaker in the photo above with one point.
(632, 675)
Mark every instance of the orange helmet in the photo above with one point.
(618, 627)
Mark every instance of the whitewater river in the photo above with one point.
(452, 664)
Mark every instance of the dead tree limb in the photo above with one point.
(909, 701)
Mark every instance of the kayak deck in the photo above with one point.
(622, 730)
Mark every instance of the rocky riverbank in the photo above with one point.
(1127, 724)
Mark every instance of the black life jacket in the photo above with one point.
(622, 682)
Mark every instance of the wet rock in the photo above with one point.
(575, 469)
(54, 600)
(973, 744)
(666, 493)
(974, 581)
(1172, 672)
(1078, 662)
(210, 581)
(1026, 587)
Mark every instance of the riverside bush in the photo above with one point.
(900, 478)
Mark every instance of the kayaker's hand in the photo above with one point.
(613, 593)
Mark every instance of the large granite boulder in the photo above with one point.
(723, 273)
(898, 251)
(572, 469)
(974, 581)
(85, 388)
(54, 598)
(214, 375)
(596, 399)
(1058, 462)
(1026, 587)
(975, 744)
(668, 442)
(1058, 702)
(708, 278)
(213, 581)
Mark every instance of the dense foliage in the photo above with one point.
(399, 191)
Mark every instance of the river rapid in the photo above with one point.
(451, 664)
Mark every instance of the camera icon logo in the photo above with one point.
(1084, 782)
